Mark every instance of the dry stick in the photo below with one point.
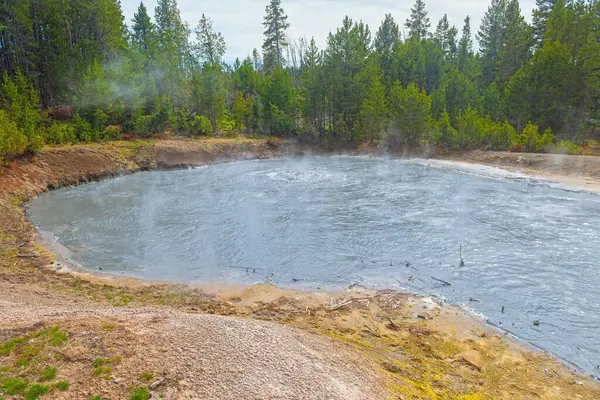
(441, 281)
(372, 331)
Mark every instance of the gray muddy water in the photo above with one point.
(531, 251)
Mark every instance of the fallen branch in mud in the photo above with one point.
(441, 281)
(372, 331)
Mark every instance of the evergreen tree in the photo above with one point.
(374, 108)
(173, 46)
(386, 38)
(445, 36)
(418, 24)
(517, 42)
(275, 23)
(312, 80)
(210, 46)
(490, 37)
(411, 114)
(465, 48)
(143, 32)
(541, 15)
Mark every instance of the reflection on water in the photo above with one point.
(330, 222)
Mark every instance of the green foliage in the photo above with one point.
(530, 140)
(411, 114)
(21, 101)
(48, 374)
(443, 133)
(13, 386)
(12, 141)
(201, 126)
(429, 86)
(62, 385)
(60, 133)
(84, 132)
(566, 147)
(36, 391)
(140, 394)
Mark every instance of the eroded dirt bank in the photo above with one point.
(109, 338)
(581, 172)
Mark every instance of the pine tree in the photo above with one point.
(490, 37)
(374, 108)
(517, 42)
(312, 82)
(275, 23)
(210, 45)
(387, 36)
(418, 24)
(445, 35)
(173, 45)
(465, 48)
(257, 60)
(143, 31)
(541, 15)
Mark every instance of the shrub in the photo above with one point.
(84, 132)
(531, 141)
(140, 394)
(143, 125)
(273, 142)
(443, 133)
(59, 133)
(201, 126)
(226, 125)
(567, 147)
(12, 141)
(111, 132)
(99, 120)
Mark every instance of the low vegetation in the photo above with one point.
(28, 364)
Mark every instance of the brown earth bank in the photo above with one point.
(582, 172)
(68, 335)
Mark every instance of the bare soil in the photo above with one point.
(581, 172)
(113, 336)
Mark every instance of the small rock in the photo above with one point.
(474, 300)
(117, 380)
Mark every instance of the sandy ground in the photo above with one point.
(233, 342)
(577, 172)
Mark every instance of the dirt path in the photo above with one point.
(191, 356)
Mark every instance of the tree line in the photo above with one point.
(75, 71)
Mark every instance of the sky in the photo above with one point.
(240, 21)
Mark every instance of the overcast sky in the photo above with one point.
(240, 21)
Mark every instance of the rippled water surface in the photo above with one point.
(333, 221)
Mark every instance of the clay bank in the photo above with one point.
(317, 224)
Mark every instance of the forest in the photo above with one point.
(76, 71)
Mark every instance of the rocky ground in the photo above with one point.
(70, 335)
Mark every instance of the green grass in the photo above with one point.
(62, 385)
(109, 327)
(14, 386)
(7, 347)
(35, 391)
(48, 374)
(147, 376)
(140, 394)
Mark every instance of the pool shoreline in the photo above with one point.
(29, 263)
